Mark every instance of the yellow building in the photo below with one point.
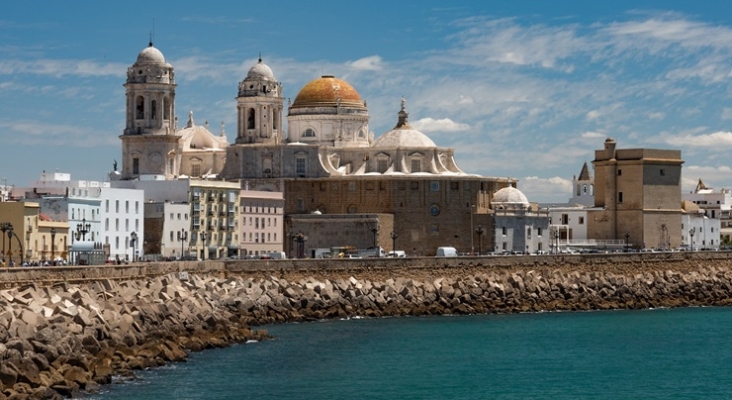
(29, 236)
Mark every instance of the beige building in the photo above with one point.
(328, 162)
(35, 237)
(152, 145)
(262, 223)
(638, 193)
(331, 164)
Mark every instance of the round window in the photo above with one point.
(435, 210)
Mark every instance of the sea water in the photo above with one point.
(649, 354)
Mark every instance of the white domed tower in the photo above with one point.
(150, 127)
(259, 107)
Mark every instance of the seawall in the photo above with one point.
(68, 329)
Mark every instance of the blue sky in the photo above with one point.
(525, 90)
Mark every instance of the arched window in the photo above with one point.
(153, 109)
(250, 119)
(140, 107)
(166, 109)
(308, 133)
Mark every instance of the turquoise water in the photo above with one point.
(649, 354)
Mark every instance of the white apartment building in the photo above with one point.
(715, 206)
(213, 214)
(261, 229)
(109, 218)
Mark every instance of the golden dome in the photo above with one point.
(325, 92)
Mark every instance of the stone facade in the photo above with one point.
(638, 192)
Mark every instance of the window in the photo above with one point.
(153, 109)
(434, 186)
(416, 165)
(351, 186)
(116, 224)
(503, 231)
(454, 185)
(382, 164)
(137, 207)
(620, 172)
(434, 210)
(106, 224)
(528, 233)
(300, 166)
(581, 220)
(308, 133)
(140, 107)
(116, 206)
(178, 216)
(196, 169)
(135, 166)
(538, 233)
(250, 119)
(107, 205)
(663, 172)
(415, 185)
(127, 207)
(620, 197)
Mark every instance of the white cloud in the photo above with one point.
(592, 115)
(712, 141)
(656, 115)
(726, 114)
(60, 68)
(370, 63)
(439, 125)
(593, 135)
(25, 132)
(546, 190)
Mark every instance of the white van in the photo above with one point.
(397, 254)
(446, 252)
(278, 255)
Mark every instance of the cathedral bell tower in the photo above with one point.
(149, 137)
(259, 107)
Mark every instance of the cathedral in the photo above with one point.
(409, 191)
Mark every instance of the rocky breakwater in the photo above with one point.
(293, 297)
(58, 340)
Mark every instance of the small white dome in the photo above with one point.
(510, 195)
(404, 138)
(261, 70)
(403, 135)
(150, 55)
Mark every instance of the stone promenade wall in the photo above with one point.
(63, 330)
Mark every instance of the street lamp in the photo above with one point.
(82, 229)
(133, 241)
(4, 228)
(300, 239)
(53, 247)
(556, 241)
(394, 237)
(627, 236)
(182, 237)
(203, 240)
(10, 243)
(691, 233)
(480, 232)
(472, 243)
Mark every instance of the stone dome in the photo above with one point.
(510, 195)
(150, 55)
(260, 70)
(325, 92)
(403, 135)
